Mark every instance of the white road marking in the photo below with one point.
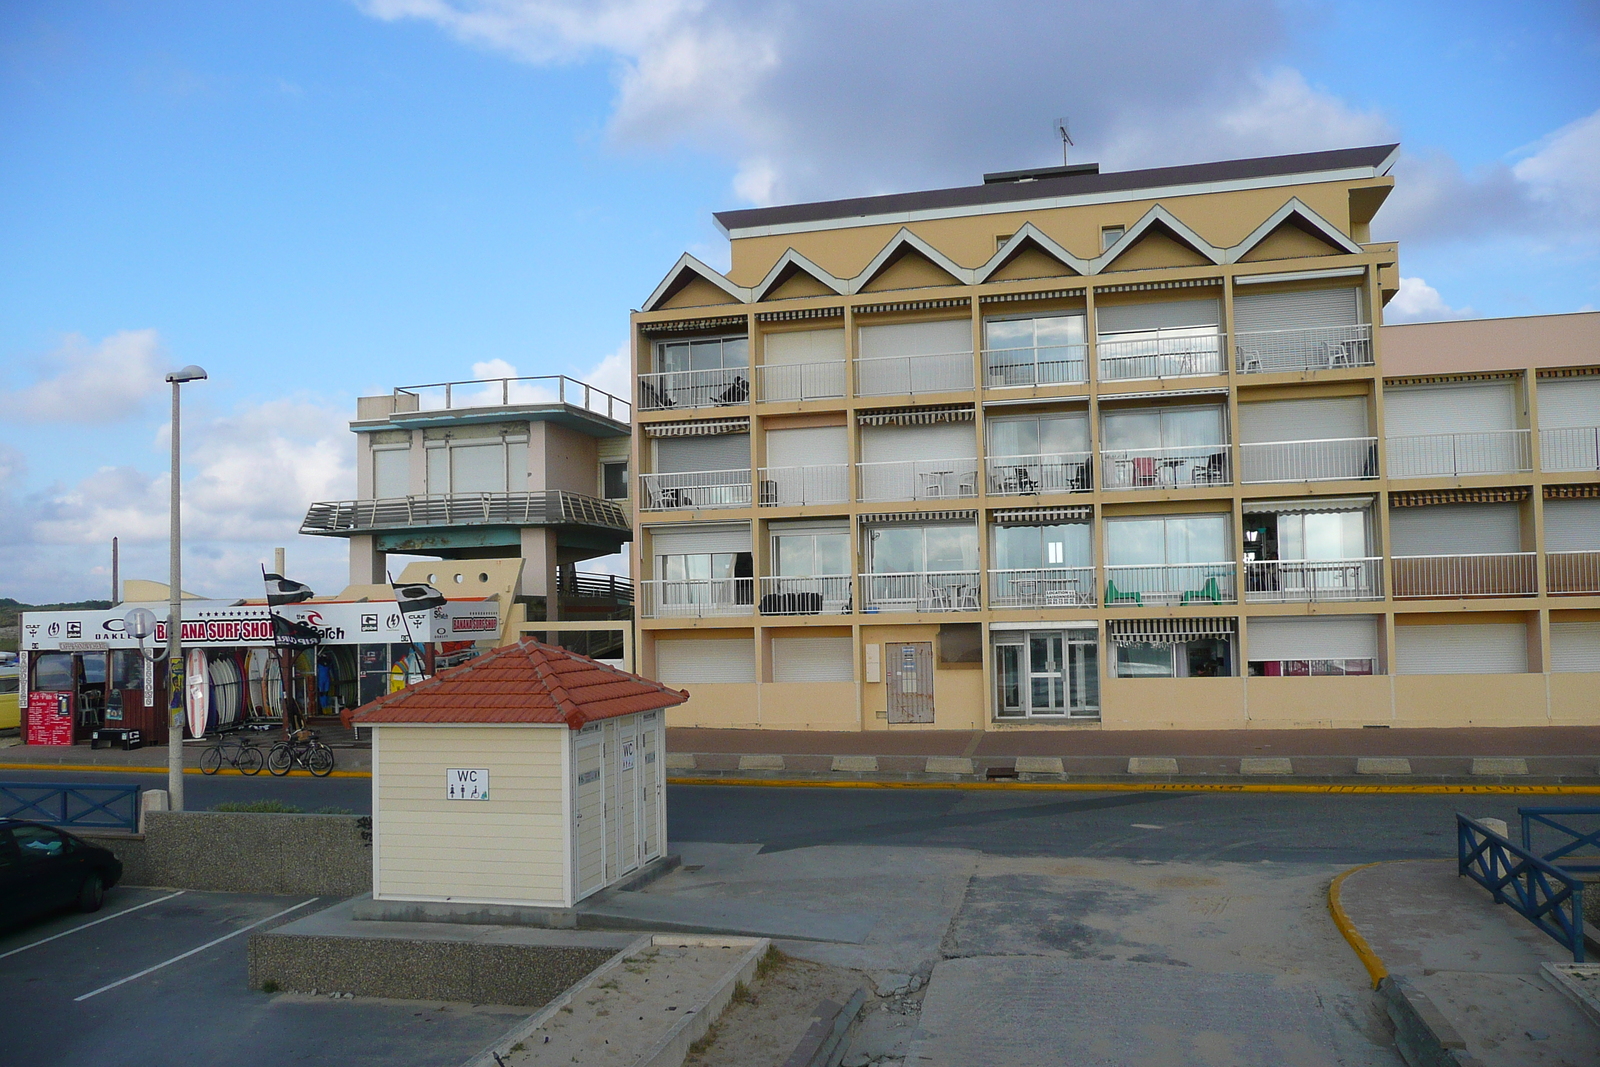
(1146, 826)
(191, 952)
(95, 922)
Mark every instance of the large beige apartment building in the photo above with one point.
(1126, 450)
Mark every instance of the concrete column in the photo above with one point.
(367, 564)
(539, 568)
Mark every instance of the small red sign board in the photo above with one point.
(49, 718)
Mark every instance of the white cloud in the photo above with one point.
(1564, 174)
(1417, 301)
(98, 383)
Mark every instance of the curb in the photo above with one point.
(1142, 787)
(1423, 1036)
(1369, 959)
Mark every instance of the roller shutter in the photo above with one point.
(813, 659)
(805, 346)
(1575, 646)
(1327, 637)
(391, 472)
(1572, 526)
(698, 660)
(1168, 315)
(1475, 648)
(1322, 419)
(807, 446)
(1479, 407)
(1302, 310)
(1569, 403)
(1455, 530)
(692, 540)
(711, 452)
(949, 440)
(917, 339)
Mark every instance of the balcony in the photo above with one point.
(1576, 449)
(1177, 356)
(821, 594)
(1171, 583)
(1165, 468)
(510, 392)
(1332, 460)
(1443, 455)
(1317, 348)
(1042, 587)
(1482, 575)
(784, 487)
(1010, 368)
(919, 479)
(681, 389)
(341, 518)
(801, 381)
(697, 490)
(925, 591)
(1310, 581)
(948, 372)
(1572, 573)
(696, 598)
(1059, 472)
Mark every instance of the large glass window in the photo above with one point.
(1046, 672)
(1210, 657)
(1186, 427)
(494, 465)
(913, 549)
(391, 472)
(1042, 331)
(804, 555)
(1030, 547)
(1039, 435)
(1167, 540)
(716, 353)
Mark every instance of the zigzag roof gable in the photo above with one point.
(898, 245)
(790, 262)
(1294, 208)
(1029, 234)
(1157, 215)
(674, 281)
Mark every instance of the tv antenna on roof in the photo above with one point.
(1066, 137)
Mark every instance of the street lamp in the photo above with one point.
(175, 700)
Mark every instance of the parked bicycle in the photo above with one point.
(301, 747)
(239, 752)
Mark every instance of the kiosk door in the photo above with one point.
(650, 785)
(626, 814)
(590, 806)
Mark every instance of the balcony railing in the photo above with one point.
(699, 490)
(826, 483)
(920, 591)
(550, 508)
(696, 598)
(1042, 587)
(1165, 468)
(1449, 454)
(1334, 459)
(1171, 583)
(1301, 581)
(1568, 573)
(1576, 449)
(1057, 472)
(723, 387)
(822, 594)
(919, 479)
(1315, 348)
(1485, 574)
(1005, 368)
(506, 392)
(948, 372)
(801, 381)
(1177, 356)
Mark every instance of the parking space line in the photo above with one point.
(85, 926)
(191, 952)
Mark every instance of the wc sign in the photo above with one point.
(466, 784)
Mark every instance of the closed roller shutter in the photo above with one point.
(1168, 315)
(1569, 403)
(805, 346)
(1476, 648)
(1455, 530)
(950, 440)
(1477, 408)
(1572, 526)
(1329, 637)
(1322, 419)
(812, 659)
(1575, 646)
(917, 339)
(692, 540)
(712, 452)
(1303, 310)
(699, 660)
(391, 473)
(808, 446)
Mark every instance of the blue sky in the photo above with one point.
(319, 199)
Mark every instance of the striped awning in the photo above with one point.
(881, 518)
(1168, 631)
(1037, 516)
(913, 305)
(1049, 294)
(725, 322)
(1190, 283)
(696, 427)
(801, 313)
(1308, 504)
(1423, 498)
(915, 416)
(1452, 379)
(1572, 492)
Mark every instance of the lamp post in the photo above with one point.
(175, 698)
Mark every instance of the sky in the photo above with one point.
(318, 200)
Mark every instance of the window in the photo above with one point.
(716, 353)
(1206, 657)
(1039, 435)
(1168, 540)
(805, 555)
(705, 566)
(391, 472)
(1045, 349)
(1110, 235)
(1165, 428)
(1019, 547)
(614, 480)
(477, 465)
(1047, 673)
(1308, 668)
(919, 549)
(1045, 332)
(52, 672)
(40, 843)
(1000, 240)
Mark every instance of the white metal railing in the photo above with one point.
(1480, 574)
(1572, 572)
(695, 489)
(920, 591)
(505, 392)
(1331, 460)
(946, 372)
(919, 479)
(1171, 583)
(826, 483)
(1296, 581)
(1446, 454)
(1575, 449)
(1056, 472)
(820, 594)
(1042, 587)
(801, 381)
(722, 387)
(1161, 356)
(696, 598)
(1169, 468)
(1312, 348)
(1042, 365)
(551, 507)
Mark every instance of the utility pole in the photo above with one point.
(175, 689)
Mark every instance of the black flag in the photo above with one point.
(281, 590)
(417, 597)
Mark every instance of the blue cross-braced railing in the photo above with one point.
(72, 806)
(1544, 894)
(1559, 820)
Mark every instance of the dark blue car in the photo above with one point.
(43, 869)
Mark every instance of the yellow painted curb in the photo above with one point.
(1151, 787)
(1369, 959)
(90, 768)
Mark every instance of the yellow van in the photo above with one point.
(10, 715)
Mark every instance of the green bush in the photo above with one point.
(260, 807)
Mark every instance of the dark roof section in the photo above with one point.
(1076, 184)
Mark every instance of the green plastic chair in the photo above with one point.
(1116, 596)
(1210, 591)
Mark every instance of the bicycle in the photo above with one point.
(301, 747)
(241, 753)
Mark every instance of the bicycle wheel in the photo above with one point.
(280, 759)
(319, 759)
(250, 760)
(211, 760)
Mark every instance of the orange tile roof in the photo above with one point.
(528, 682)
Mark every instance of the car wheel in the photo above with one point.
(93, 893)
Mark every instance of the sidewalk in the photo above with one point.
(349, 753)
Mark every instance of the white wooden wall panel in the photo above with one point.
(808, 446)
(1321, 419)
(1476, 408)
(1455, 530)
(1300, 310)
(1163, 315)
(1575, 646)
(805, 346)
(1569, 403)
(945, 440)
(917, 338)
(813, 659)
(1572, 525)
(687, 661)
(1323, 637)
(1462, 648)
(712, 452)
(691, 540)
